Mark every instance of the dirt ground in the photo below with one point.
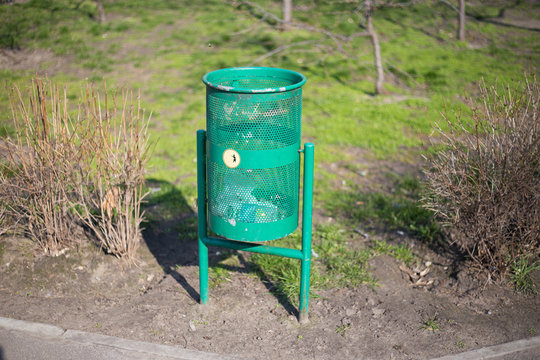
(157, 301)
(449, 311)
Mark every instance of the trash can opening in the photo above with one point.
(253, 80)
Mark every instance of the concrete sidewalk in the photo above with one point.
(24, 340)
(525, 349)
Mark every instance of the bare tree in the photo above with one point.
(368, 7)
(461, 17)
(287, 14)
(376, 46)
(101, 11)
(461, 21)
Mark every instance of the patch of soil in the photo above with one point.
(519, 19)
(157, 301)
(39, 61)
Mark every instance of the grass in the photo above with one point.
(399, 210)
(284, 273)
(460, 343)
(217, 276)
(336, 264)
(343, 265)
(431, 324)
(220, 268)
(342, 329)
(400, 252)
(520, 275)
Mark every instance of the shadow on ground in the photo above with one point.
(171, 231)
(396, 210)
(171, 236)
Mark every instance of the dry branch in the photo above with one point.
(109, 182)
(38, 157)
(282, 48)
(450, 5)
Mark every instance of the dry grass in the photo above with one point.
(87, 167)
(485, 183)
(4, 214)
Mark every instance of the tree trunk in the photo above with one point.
(461, 22)
(376, 48)
(287, 14)
(101, 11)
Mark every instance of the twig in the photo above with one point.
(396, 5)
(450, 5)
(402, 72)
(281, 48)
(362, 233)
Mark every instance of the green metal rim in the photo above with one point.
(213, 78)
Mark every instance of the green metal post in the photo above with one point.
(306, 231)
(201, 216)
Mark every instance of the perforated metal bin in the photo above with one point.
(253, 140)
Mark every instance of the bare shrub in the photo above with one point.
(109, 181)
(485, 182)
(37, 162)
(3, 221)
(4, 215)
(88, 166)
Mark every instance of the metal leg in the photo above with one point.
(306, 232)
(201, 216)
(306, 227)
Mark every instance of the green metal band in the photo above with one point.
(257, 159)
(253, 232)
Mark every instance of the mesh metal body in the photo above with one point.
(253, 166)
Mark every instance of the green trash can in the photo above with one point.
(253, 117)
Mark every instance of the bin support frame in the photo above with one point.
(204, 240)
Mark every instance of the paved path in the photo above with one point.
(24, 340)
